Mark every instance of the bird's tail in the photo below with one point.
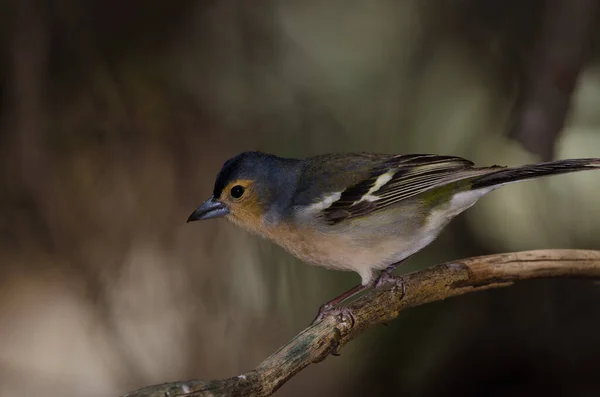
(508, 175)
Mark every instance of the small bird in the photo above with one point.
(361, 212)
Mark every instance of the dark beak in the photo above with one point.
(211, 208)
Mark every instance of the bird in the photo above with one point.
(361, 212)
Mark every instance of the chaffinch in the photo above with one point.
(357, 211)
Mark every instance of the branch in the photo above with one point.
(319, 340)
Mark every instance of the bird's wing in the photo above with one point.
(399, 178)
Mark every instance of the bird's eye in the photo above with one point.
(237, 191)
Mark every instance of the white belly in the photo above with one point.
(375, 242)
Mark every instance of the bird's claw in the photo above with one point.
(385, 279)
(326, 310)
(346, 321)
(323, 312)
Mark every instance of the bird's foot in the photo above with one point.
(325, 310)
(331, 306)
(385, 279)
(343, 312)
(345, 320)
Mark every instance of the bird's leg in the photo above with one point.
(385, 278)
(328, 307)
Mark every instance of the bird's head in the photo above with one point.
(246, 188)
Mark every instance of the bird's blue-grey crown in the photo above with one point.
(275, 177)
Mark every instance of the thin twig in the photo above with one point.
(316, 342)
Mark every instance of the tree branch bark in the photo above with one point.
(437, 283)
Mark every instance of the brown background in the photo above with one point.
(116, 116)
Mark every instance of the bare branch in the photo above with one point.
(319, 340)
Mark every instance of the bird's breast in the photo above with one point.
(342, 251)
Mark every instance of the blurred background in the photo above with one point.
(116, 116)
